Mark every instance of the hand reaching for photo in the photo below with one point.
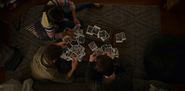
(68, 32)
(92, 57)
(109, 54)
(62, 44)
(76, 21)
(74, 64)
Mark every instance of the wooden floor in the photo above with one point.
(172, 22)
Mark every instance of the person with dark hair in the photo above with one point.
(57, 11)
(107, 73)
(43, 64)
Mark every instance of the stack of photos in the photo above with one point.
(104, 48)
(95, 30)
(73, 52)
(78, 35)
(120, 37)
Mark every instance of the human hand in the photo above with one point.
(74, 64)
(109, 54)
(76, 21)
(61, 44)
(92, 57)
(68, 32)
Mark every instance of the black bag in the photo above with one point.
(10, 58)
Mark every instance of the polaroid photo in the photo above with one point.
(114, 51)
(101, 33)
(63, 56)
(99, 51)
(75, 48)
(73, 55)
(80, 58)
(89, 30)
(92, 46)
(106, 36)
(81, 49)
(65, 50)
(81, 39)
(95, 30)
(109, 46)
(123, 34)
(109, 50)
(119, 38)
(66, 38)
(73, 37)
(69, 45)
(80, 31)
(83, 54)
(66, 29)
(77, 27)
(117, 56)
(104, 47)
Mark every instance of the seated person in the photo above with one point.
(56, 10)
(118, 79)
(43, 67)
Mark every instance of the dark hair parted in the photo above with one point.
(54, 13)
(52, 52)
(104, 65)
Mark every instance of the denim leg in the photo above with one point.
(71, 19)
(78, 7)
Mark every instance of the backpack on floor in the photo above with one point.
(10, 57)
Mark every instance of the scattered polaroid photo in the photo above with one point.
(81, 48)
(106, 36)
(119, 38)
(81, 39)
(65, 50)
(99, 51)
(77, 27)
(109, 50)
(80, 31)
(109, 46)
(69, 45)
(89, 30)
(75, 47)
(92, 46)
(80, 57)
(66, 29)
(83, 54)
(124, 37)
(104, 47)
(73, 37)
(115, 51)
(66, 38)
(101, 33)
(73, 55)
(95, 30)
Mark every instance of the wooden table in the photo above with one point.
(120, 46)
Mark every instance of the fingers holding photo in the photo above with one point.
(109, 54)
(93, 57)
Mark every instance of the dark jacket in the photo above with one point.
(122, 82)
